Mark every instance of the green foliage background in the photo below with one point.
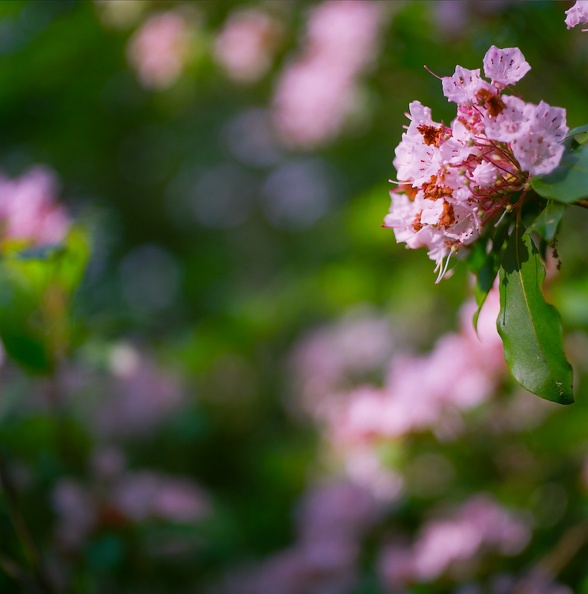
(70, 100)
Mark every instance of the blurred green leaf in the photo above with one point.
(35, 291)
(530, 328)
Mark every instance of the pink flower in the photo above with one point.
(340, 508)
(505, 66)
(539, 150)
(577, 14)
(114, 496)
(484, 175)
(142, 396)
(550, 121)
(76, 512)
(511, 122)
(332, 519)
(317, 91)
(28, 209)
(421, 391)
(245, 45)
(159, 49)
(416, 160)
(330, 357)
(454, 180)
(321, 567)
(479, 526)
(142, 495)
(461, 88)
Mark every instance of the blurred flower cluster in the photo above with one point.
(29, 211)
(332, 519)
(317, 90)
(444, 544)
(159, 49)
(245, 45)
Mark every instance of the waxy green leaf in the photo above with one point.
(531, 328)
(568, 183)
(547, 223)
(577, 131)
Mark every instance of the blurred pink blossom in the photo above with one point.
(158, 50)
(364, 466)
(479, 524)
(332, 519)
(328, 358)
(245, 45)
(114, 496)
(28, 208)
(336, 508)
(420, 392)
(318, 89)
(455, 542)
(298, 571)
(143, 395)
(425, 391)
(76, 513)
(145, 494)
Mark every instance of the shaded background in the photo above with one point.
(230, 161)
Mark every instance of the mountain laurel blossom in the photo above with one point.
(577, 14)
(455, 180)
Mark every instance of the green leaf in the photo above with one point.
(568, 183)
(484, 262)
(577, 130)
(531, 328)
(21, 319)
(547, 223)
(35, 297)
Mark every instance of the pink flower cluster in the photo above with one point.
(455, 179)
(317, 90)
(577, 14)
(421, 392)
(333, 518)
(136, 398)
(245, 45)
(28, 209)
(327, 360)
(158, 51)
(116, 497)
(444, 544)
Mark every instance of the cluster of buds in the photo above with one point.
(454, 180)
